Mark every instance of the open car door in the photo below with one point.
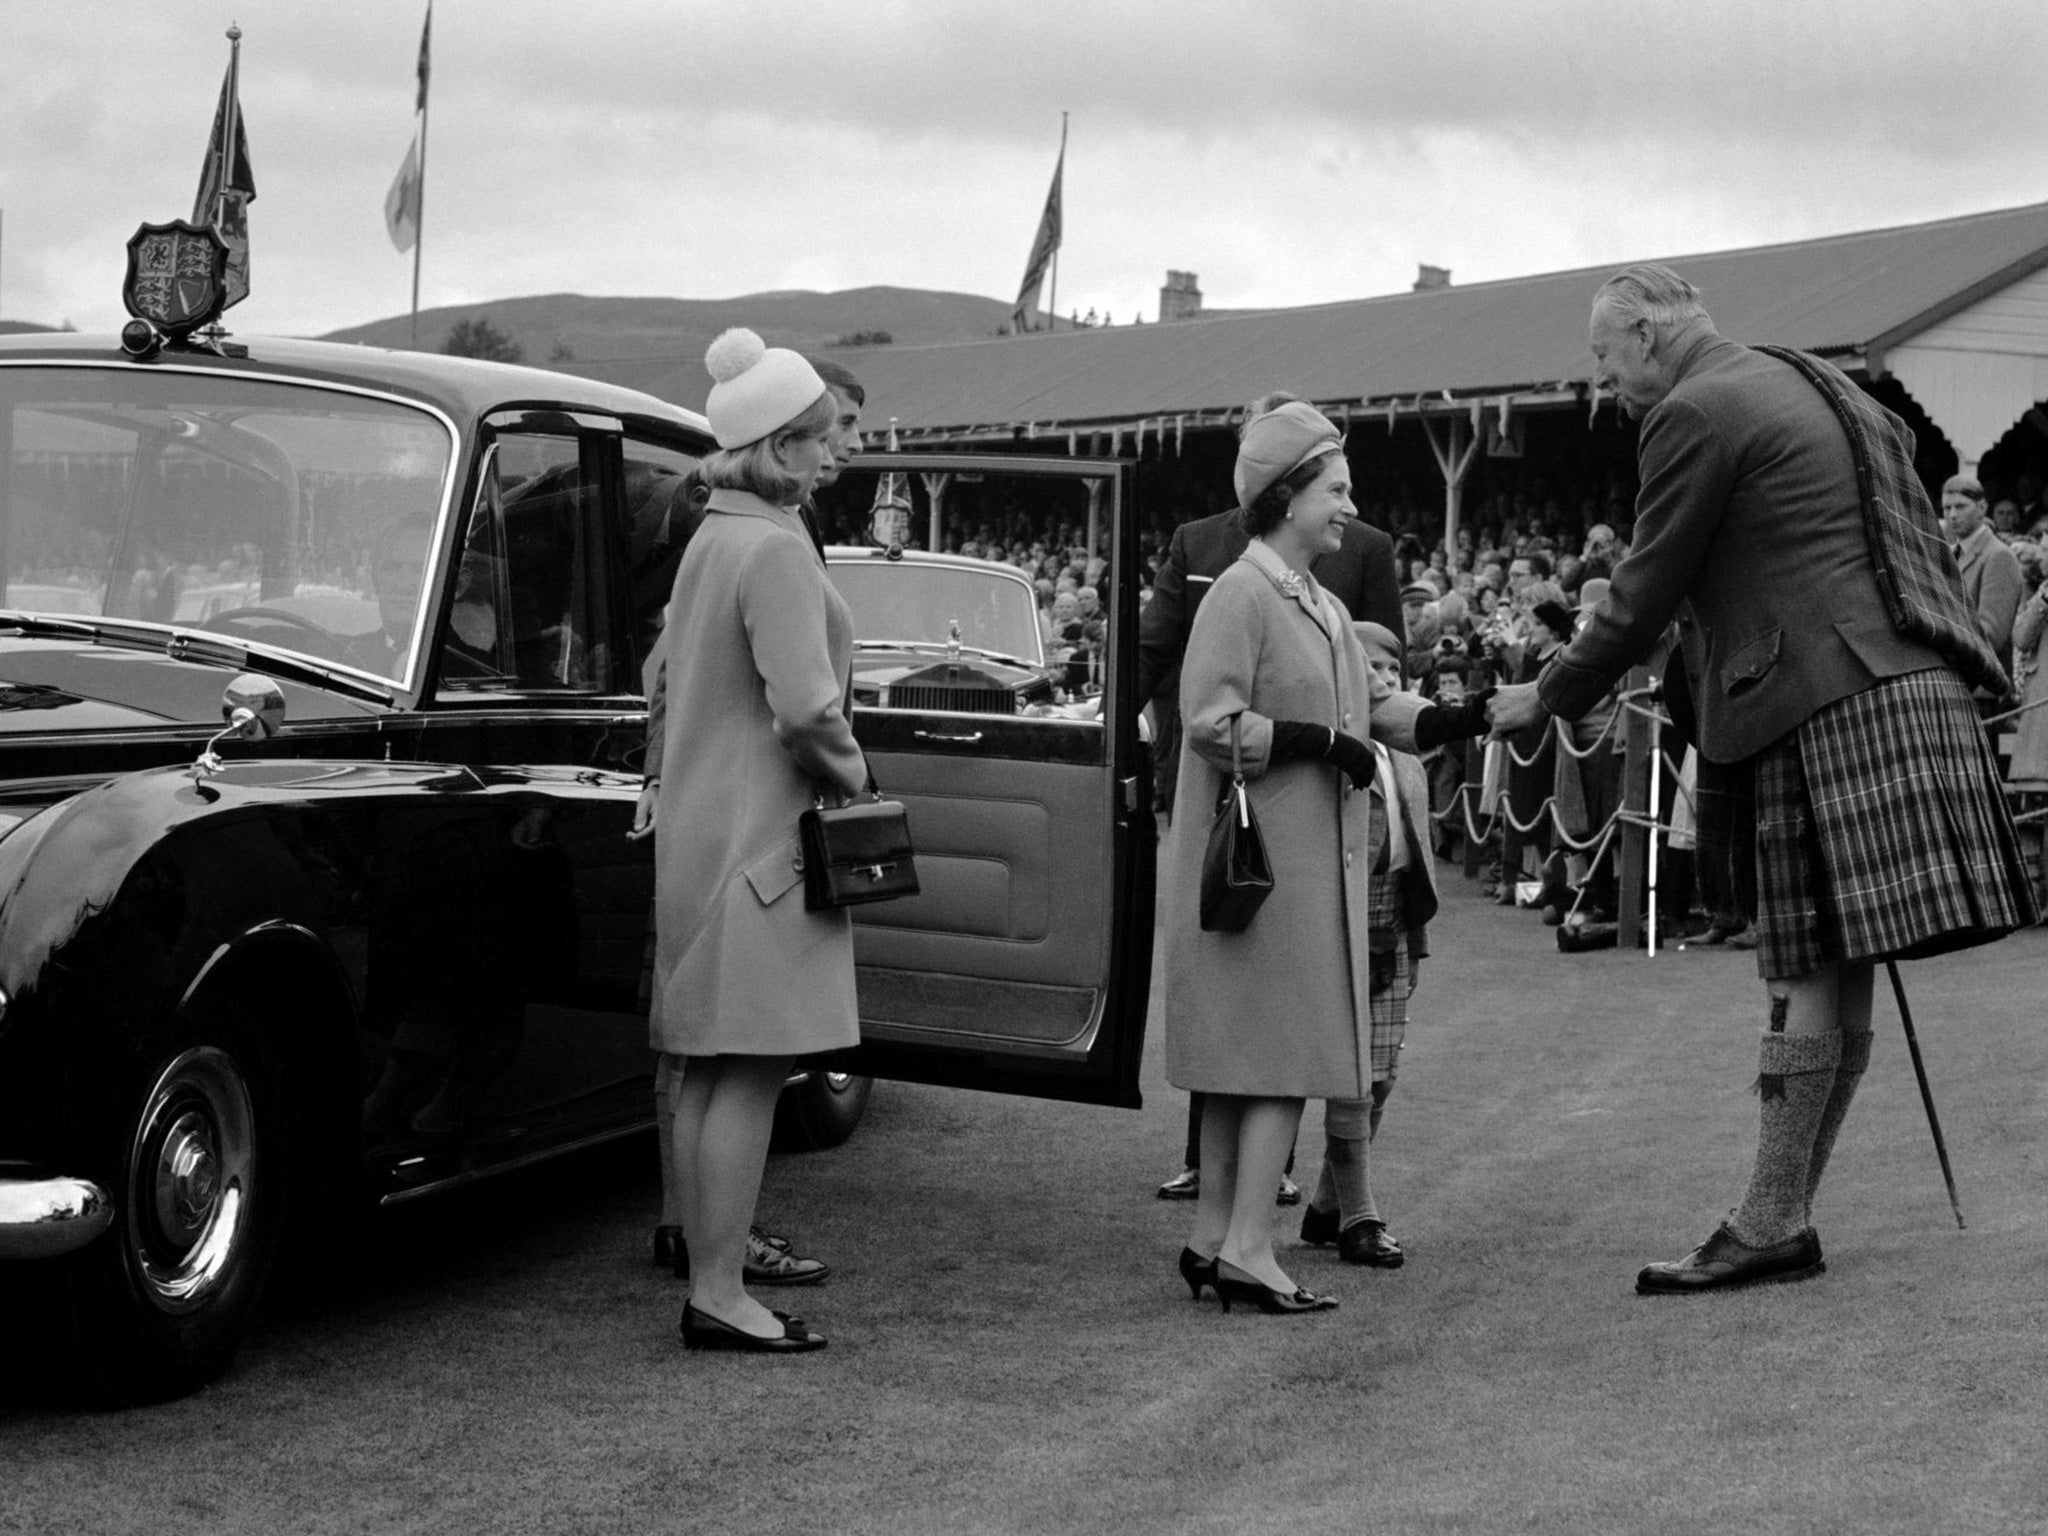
(1024, 962)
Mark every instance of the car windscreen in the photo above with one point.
(907, 601)
(259, 510)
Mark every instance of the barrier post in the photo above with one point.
(1475, 776)
(1633, 854)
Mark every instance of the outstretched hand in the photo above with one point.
(1514, 707)
(643, 814)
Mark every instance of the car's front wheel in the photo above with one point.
(157, 1305)
(821, 1111)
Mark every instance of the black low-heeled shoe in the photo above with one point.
(668, 1242)
(1242, 1287)
(1197, 1271)
(703, 1331)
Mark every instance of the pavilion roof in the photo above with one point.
(1847, 296)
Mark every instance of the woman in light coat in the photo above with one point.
(757, 652)
(1281, 1012)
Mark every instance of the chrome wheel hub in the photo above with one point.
(187, 1178)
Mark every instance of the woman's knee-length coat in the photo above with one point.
(1283, 1009)
(758, 649)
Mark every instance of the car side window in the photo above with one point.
(529, 611)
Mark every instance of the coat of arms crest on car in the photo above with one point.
(177, 275)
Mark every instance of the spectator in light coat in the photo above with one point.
(1991, 571)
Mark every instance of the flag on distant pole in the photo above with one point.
(426, 31)
(226, 183)
(406, 203)
(402, 202)
(1045, 248)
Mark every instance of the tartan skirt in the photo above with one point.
(1389, 1007)
(1877, 830)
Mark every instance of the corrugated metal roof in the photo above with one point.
(1843, 294)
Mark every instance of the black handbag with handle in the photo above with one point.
(857, 852)
(1236, 877)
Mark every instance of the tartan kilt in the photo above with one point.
(1877, 830)
(1386, 918)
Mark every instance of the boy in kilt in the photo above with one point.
(1400, 900)
(1829, 655)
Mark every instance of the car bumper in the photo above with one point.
(43, 1218)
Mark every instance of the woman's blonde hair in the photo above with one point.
(752, 467)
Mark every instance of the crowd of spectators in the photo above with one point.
(1524, 570)
(1492, 610)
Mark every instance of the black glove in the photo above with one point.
(1452, 722)
(1294, 740)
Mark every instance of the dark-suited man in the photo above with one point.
(1359, 574)
(1843, 742)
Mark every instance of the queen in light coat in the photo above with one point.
(1262, 1019)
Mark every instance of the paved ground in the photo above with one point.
(1005, 1284)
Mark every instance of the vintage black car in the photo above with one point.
(320, 729)
(944, 632)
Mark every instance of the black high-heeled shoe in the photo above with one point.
(703, 1331)
(1198, 1272)
(1243, 1287)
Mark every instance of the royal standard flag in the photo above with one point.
(1042, 249)
(227, 186)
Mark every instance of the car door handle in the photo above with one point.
(966, 739)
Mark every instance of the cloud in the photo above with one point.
(1287, 153)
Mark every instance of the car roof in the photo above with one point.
(464, 387)
(849, 554)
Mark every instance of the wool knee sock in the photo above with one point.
(1325, 1197)
(1848, 1074)
(1347, 1162)
(1795, 1074)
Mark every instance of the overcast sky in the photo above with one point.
(1286, 153)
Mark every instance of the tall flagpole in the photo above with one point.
(419, 235)
(1052, 309)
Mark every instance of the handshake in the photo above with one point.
(1513, 707)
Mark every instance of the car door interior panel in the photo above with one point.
(1011, 903)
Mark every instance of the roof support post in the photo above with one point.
(1453, 456)
(1094, 516)
(935, 484)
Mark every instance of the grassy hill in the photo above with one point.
(658, 344)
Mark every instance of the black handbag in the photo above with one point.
(1236, 878)
(856, 853)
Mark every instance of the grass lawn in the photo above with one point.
(1013, 1351)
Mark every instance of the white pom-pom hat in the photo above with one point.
(755, 388)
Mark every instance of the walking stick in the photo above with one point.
(1926, 1093)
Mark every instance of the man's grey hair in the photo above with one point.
(1653, 293)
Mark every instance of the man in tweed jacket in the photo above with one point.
(1823, 628)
